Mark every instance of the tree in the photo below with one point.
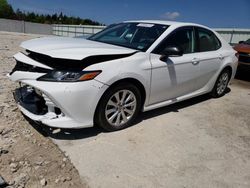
(6, 10)
(19, 15)
(54, 18)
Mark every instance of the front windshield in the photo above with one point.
(138, 36)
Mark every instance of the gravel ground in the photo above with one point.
(27, 158)
(202, 142)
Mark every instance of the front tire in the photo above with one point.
(118, 107)
(221, 84)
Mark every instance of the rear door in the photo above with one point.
(210, 57)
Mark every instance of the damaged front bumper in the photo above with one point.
(33, 104)
(27, 98)
(60, 105)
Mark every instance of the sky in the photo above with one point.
(212, 13)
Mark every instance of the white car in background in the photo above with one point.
(110, 77)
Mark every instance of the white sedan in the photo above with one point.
(109, 78)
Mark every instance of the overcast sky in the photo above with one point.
(213, 13)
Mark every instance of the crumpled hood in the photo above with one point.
(72, 48)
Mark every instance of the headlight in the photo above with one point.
(69, 76)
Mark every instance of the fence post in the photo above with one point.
(231, 38)
(23, 24)
(68, 31)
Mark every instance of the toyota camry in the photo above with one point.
(108, 78)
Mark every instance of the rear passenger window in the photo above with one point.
(207, 40)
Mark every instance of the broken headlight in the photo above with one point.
(69, 76)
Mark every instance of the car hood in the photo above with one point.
(72, 48)
(244, 48)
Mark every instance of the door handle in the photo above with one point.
(221, 57)
(195, 61)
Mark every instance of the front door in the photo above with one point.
(176, 76)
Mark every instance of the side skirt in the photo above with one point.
(175, 100)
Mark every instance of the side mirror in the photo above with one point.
(171, 51)
(240, 42)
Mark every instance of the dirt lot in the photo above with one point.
(27, 158)
(202, 142)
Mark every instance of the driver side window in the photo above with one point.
(182, 38)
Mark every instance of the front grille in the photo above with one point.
(28, 68)
(244, 57)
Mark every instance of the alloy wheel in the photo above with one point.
(120, 107)
(222, 83)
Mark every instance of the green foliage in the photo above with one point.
(6, 11)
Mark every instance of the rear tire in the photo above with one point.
(221, 84)
(118, 107)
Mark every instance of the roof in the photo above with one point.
(164, 22)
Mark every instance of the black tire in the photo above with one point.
(216, 93)
(100, 115)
